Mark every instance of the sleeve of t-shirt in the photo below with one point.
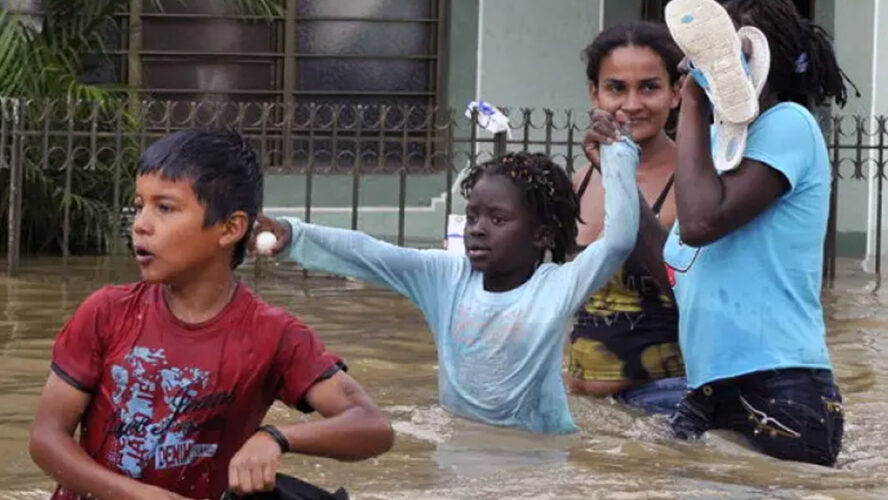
(302, 361)
(78, 350)
(423, 276)
(784, 140)
(590, 270)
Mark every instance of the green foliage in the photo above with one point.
(41, 64)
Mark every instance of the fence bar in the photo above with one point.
(47, 118)
(93, 140)
(66, 197)
(473, 139)
(289, 79)
(15, 185)
(402, 180)
(548, 147)
(569, 160)
(134, 58)
(880, 172)
(115, 202)
(264, 157)
(499, 143)
(356, 168)
(525, 141)
(309, 168)
(448, 174)
(10, 213)
(831, 232)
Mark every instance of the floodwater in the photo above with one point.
(618, 454)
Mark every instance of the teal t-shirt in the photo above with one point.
(499, 354)
(751, 300)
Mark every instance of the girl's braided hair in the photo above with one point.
(803, 63)
(547, 191)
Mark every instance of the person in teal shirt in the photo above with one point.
(747, 254)
(745, 257)
(499, 313)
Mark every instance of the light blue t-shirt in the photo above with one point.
(751, 300)
(499, 354)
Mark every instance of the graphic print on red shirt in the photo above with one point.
(171, 401)
(144, 429)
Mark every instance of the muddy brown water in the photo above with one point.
(618, 454)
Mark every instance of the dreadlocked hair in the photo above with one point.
(803, 63)
(547, 190)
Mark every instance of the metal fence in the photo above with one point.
(84, 154)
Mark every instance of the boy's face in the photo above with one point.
(170, 242)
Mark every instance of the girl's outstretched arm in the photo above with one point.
(420, 275)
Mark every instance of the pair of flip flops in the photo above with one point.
(731, 79)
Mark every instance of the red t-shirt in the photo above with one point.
(172, 402)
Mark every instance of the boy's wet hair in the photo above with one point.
(803, 64)
(223, 171)
(547, 191)
(638, 34)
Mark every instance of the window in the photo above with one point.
(343, 51)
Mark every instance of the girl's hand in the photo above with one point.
(254, 466)
(279, 228)
(691, 93)
(604, 128)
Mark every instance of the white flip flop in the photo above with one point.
(730, 138)
(705, 33)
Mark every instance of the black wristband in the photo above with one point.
(277, 435)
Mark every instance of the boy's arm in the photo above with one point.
(53, 448)
(595, 265)
(352, 429)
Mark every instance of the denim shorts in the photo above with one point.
(790, 414)
(657, 396)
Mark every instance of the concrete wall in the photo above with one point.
(530, 52)
(462, 53)
(879, 107)
(378, 203)
(858, 46)
(523, 53)
(621, 11)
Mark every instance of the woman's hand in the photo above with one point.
(604, 128)
(279, 228)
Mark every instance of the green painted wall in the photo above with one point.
(375, 190)
(530, 52)
(854, 49)
(621, 11)
(462, 53)
(880, 104)
(378, 205)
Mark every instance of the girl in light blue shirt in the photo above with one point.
(499, 313)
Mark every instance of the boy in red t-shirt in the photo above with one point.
(170, 378)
